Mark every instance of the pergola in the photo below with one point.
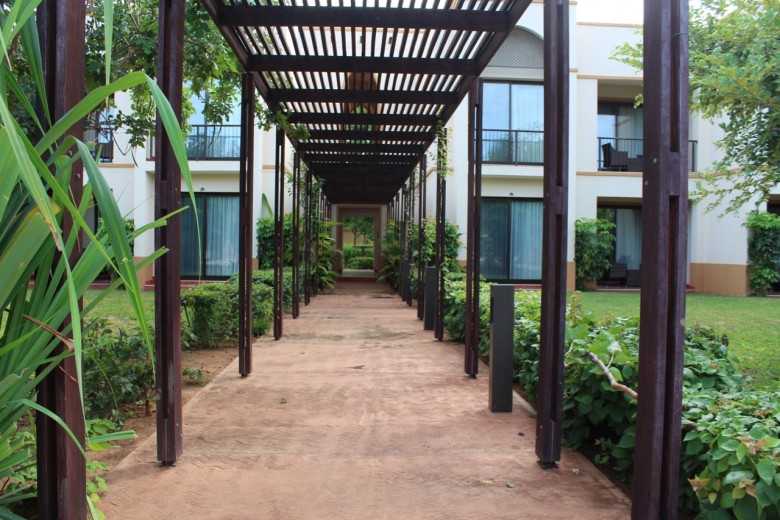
(374, 84)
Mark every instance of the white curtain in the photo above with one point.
(526, 242)
(628, 232)
(222, 235)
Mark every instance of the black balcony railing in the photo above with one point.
(209, 143)
(625, 155)
(104, 143)
(513, 146)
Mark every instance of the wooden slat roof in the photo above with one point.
(369, 79)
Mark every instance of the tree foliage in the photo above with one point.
(593, 243)
(735, 76)
(211, 71)
(360, 227)
(763, 252)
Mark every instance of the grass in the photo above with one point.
(117, 310)
(751, 324)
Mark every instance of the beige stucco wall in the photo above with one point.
(719, 278)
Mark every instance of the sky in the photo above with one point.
(610, 11)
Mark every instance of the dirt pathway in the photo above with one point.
(357, 413)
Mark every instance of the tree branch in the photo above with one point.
(612, 381)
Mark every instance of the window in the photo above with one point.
(620, 136)
(218, 219)
(513, 123)
(511, 240)
(628, 234)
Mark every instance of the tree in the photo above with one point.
(735, 75)
(211, 71)
(360, 226)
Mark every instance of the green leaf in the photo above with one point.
(735, 477)
(766, 470)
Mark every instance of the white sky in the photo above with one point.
(610, 11)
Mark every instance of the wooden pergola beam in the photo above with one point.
(368, 148)
(369, 17)
(333, 118)
(369, 135)
(409, 97)
(277, 63)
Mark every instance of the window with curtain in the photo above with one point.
(628, 234)
(513, 123)
(218, 224)
(511, 240)
(621, 126)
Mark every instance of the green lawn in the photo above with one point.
(752, 324)
(116, 308)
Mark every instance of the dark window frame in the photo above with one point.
(485, 160)
(203, 220)
(508, 215)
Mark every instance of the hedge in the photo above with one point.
(730, 451)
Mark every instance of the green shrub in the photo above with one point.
(391, 251)
(117, 371)
(593, 243)
(730, 452)
(360, 262)
(207, 309)
(211, 310)
(763, 252)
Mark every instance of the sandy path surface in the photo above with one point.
(357, 413)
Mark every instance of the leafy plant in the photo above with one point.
(117, 372)
(36, 166)
(763, 251)
(194, 376)
(360, 262)
(731, 447)
(594, 240)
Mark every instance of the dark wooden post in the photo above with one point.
(471, 362)
(296, 223)
(279, 235)
(167, 269)
(307, 256)
(61, 466)
(420, 242)
(549, 422)
(441, 206)
(246, 174)
(409, 230)
(664, 245)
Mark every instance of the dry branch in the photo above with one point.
(612, 381)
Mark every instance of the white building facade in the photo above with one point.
(605, 179)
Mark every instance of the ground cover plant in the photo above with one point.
(731, 447)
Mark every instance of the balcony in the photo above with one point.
(513, 146)
(617, 154)
(209, 143)
(103, 138)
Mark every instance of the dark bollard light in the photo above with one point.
(502, 319)
(431, 274)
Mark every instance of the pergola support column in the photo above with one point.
(246, 174)
(409, 230)
(441, 207)
(279, 234)
(167, 269)
(471, 362)
(421, 240)
(296, 236)
(61, 467)
(549, 422)
(307, 226)
(664, 246)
